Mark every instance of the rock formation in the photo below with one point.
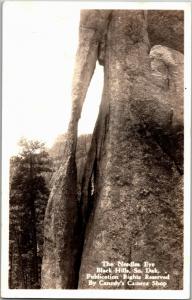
(131, 206)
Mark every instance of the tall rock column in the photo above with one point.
(135, 212)
(131, 208)
(62, 228)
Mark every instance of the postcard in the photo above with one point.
(96, 118)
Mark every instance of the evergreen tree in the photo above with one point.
(28, 198)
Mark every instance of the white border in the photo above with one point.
(114, 294)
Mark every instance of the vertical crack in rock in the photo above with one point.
(63, 230)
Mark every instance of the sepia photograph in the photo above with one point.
(96, 149)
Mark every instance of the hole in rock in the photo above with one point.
(91, 104)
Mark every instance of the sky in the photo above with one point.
(40, 40)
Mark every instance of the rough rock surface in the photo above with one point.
(61, 227)
(135, 210)
(57, 155)
(131, 204)
(165, 27)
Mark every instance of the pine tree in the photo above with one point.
(28, 198)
